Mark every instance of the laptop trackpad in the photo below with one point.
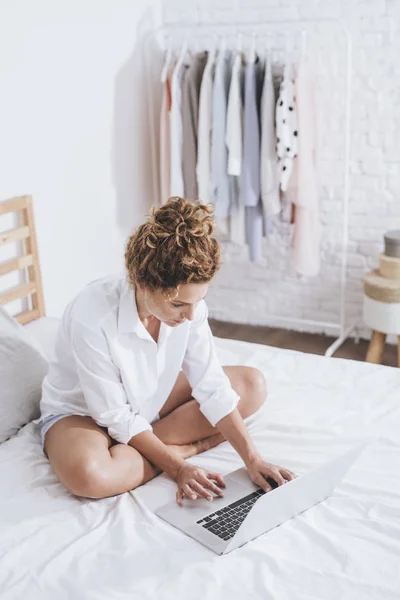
(242, 477)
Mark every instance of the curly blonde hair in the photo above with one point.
(173, 247)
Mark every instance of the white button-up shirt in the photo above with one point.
(109, 367)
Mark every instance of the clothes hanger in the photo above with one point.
(167, 62)
(303, 43)
(252, 57)
(268, 54)
(184, 48)
(213, 46)
(267, 44)
(286, 46)
(216, 40)
(222, 45)
(239, 43)
(286, 68)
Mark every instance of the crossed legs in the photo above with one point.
(91, 464)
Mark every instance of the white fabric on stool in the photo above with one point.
(382, 316)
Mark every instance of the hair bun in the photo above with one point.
(174, 246)
(182, 231)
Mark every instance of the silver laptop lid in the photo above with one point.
(294, 497)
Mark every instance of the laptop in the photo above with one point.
(246, 511)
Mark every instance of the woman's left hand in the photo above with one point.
(259, 470)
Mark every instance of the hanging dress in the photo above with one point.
(268, 156)
(307, 230)
(234, 143)
(165, 140)
(250, 180)
(176, 174)
(221, 181)
(190, 120)
(203, 167)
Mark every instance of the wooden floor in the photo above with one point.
(305, 342)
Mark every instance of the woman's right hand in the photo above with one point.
(193, 481)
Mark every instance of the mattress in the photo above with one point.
(54, 545)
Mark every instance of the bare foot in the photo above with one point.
(188, 450)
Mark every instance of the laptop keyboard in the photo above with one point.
(225, 522)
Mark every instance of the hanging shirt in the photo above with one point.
(234, 118)
(221, 182)
(307, 229)
(108, 366)
(250, 179)
(234, 142)
(176, 176)
(190, 118)
(165, 140)
(251, 140)
(268, 157)
(286, 127)
(203, 167)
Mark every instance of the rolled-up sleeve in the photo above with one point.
(101, 385)
(210, 385)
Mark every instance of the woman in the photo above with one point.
(136, 386)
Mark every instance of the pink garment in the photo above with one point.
(165, 159)
(307, 227)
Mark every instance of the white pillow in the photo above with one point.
(44, 331)
(23, 367)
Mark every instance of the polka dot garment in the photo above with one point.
(286, 127)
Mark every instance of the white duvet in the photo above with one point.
(56, 546)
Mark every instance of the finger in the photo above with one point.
(263, 483)
(288, 475)
(211, 486)
(273, 477)
(218, 478)
(179, 497)
(275, 474)
(189, 492)
(199, 489)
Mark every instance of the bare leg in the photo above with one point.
(187, 424)
(123, 468)
(89, 463)
(144, 470)
(193, 448)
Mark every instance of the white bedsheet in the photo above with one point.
(53, 545)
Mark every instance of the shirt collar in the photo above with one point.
(128, 317)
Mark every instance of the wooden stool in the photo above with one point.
(381, 312)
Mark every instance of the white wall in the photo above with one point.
(73, 134)
(245, 292)
(73, 123)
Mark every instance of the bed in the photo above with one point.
(54, 545)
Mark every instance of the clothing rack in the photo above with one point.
(190, 33)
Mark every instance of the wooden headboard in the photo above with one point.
(28, 260)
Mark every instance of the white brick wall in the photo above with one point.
(250, 293)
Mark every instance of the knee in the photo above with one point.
(87, 480)
(256, 387)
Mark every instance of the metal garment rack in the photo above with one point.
(190, 32)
